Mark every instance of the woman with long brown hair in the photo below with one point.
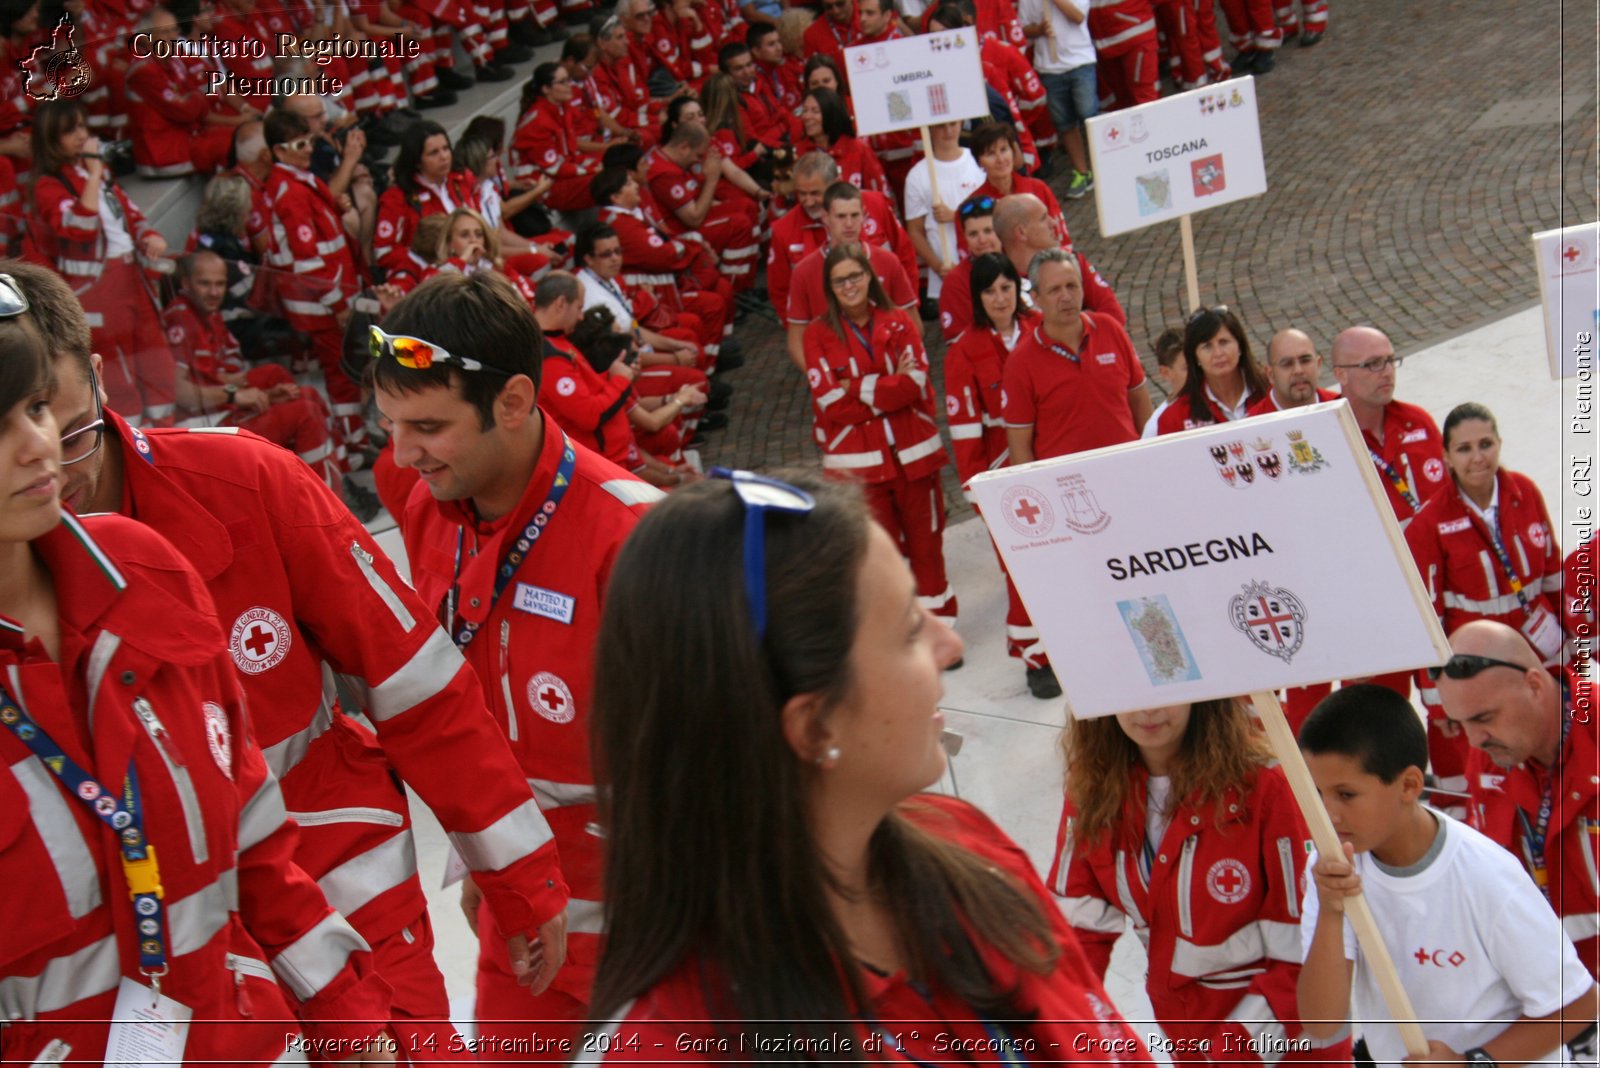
(769, 853)
(1223, 380)
(873, 406)
(1177, 820)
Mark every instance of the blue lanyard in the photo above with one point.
(866, 341)
(1536, 835)
(520, 551)
(1497, 542)
(1401, 486)
(121, 812)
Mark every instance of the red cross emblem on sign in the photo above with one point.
(1114, 134)
(1570, 253)
(1027, 511)
(260, 640)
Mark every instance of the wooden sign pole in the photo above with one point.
(1191, 277)
(933, 189)
(1327, 842)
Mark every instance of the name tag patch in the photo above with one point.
(1455, 525)
(1412, 436)
(1107, 357)
(538, 601)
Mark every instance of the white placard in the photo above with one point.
(916, 81)
(1569, 289)
(1238, 558)
(1176, 156)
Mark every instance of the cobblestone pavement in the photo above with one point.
(1393, 198)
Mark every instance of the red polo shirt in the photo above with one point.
(808, 300)
(1075, 401)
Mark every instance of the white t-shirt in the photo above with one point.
(1074, 45)
(1156, 817)
(1149, 430)
(596, 291)
(1475, 944)
(958, 179)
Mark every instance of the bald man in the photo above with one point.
(1293, 366)
(1025, 229)
(1534, 769)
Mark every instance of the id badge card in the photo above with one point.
(146, 1028)
(1543, 632)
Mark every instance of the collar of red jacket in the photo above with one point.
(147, 490)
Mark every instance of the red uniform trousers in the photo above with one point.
(419, 1012)
(1250, 25)
(1131, 74)
(731, 230)
(140, 371)
(511, 1020)
(447, 15)
(300, 425)
(1316, 16)
(1204, 20)
(912, 511)
(1175, 20)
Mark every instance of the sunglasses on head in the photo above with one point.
(1468, 665)
(417, 354)
(1218, 310)
(759, 495)
(983, 204)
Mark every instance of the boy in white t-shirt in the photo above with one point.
(1478, 949)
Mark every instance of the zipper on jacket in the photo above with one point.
(384, 591)
(1185, 880)
(505, 679)
(240, 993)
(180, 777)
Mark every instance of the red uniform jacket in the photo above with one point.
(1217, 908)
(997, 20)
(270, 541)
(534, 661)
(648, 254)
(1067, 1004)
(1269, 403)
(795, 236)
(783, 81)
(166, 106)
(808, 301)
(1116, 25)
(545, 142)
(1579, 591)
(874, 423)
(142, 660)
(826, 37)
(590, 406)
(1572, 855)
(1179, 414)
(71, 239)
(399, 213)
(955, 297)
(974, 382)
(620, 91)
(1414, 454)
(319, 274)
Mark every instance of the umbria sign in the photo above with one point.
(1230, 560)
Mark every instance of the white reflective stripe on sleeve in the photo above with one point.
(324, 817)
(1268, 1036)
(193, 921)
(868, 390)
(80, 267)
(313, 960)
(631, 491)
(93, 320)
(1248, 945)
(1094, 914)
(333, 244)
(363, 877)
(1125, 891)
(519, 833)
(262, 815)
(1291, 884)
(1581, 925)
(424, 676)
(69, 852)
(924, 448)
(830, 398)
(1492, 606)
(585, 917)
(559, 794)
(1553, 583)
(284, 755)
(1063, 863)
(94, 969)
(305, 307)
(965, 431)
(848, 460)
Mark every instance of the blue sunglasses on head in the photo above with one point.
(759, 495)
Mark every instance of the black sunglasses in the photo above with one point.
(1468, 665)
(1217, 310)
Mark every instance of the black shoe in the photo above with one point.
(524, 32)
(1265, 62)
(699, 441)
(713, 421)
(513, 54)
(439, 98)
(1042, 683)
(731, 346)
(378, 138)
(493, 72)
(1245, 62)
(929, 310)
(580, 19)
(362, 502)
(1308, 38)
(450, 78)
(554, 34)
(720, 394)
(728, 363)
